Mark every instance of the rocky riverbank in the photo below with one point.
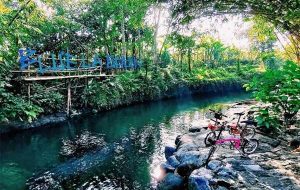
(274, 165)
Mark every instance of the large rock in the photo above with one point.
(223, 181)
(189, 162)
(221, 188)
(293, 130)
(171, 182)
(167, 168)
(191, 157)
(264, 147)
(187, 147)
(268, 140)
(198, 183)
(74, 167)
(253, 168)
(203, 172)
(185, 139)
(227, 172)
(169, 151)
(238, 164)
(214, 164)
(248, 178)
(172, 160)
(186, 169)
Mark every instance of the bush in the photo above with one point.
(50, 99)
(281, 89)
(15, 107)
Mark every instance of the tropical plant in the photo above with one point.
(279, 88)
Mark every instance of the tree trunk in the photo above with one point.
(133, 44)
(189, 60)
(165, 39)
(181, 61)
(123, 33)
(154, 47)
(18, 13)
(139, 45)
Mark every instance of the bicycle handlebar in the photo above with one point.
(215, 121)
(219, 123)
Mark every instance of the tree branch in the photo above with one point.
(17, 14)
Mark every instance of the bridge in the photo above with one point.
(66, 68)
(48, 66)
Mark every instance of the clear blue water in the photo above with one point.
(150, 127)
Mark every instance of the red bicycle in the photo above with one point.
(245, 131)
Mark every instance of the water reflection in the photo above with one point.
(140, 133)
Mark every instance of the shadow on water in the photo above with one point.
(138, 132)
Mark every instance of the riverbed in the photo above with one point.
(149, 128)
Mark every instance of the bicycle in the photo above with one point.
(244, 131)
(213, 127)
(237, 129)
(247, 146)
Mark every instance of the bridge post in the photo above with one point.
(85, 91)
(28, 92)
(68, 97)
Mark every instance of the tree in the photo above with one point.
(184, 44)
(284, 14)
(213, 51)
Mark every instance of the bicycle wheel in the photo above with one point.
(250, 146)
(210, 153)
(248, 132)
(209, 138)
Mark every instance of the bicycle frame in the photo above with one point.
(213, 127)
(236, 141)
(232, 126)
(216, 125)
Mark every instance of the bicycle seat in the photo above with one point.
(251, 112)
(240, 113)
(249, 122)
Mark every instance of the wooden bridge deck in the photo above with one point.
(90, 69)
(39, 78)
(34, 75)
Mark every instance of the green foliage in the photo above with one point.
(262, 31)
(282, 14)
(16, 107)
(81, 25)
(109, 27)
(165, 58)
(266, 118)
(279, 88)
(214, 52)
(51, 100)
(271, 61)
(111, 93)
(130, 87)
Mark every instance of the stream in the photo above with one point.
(149, 128)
